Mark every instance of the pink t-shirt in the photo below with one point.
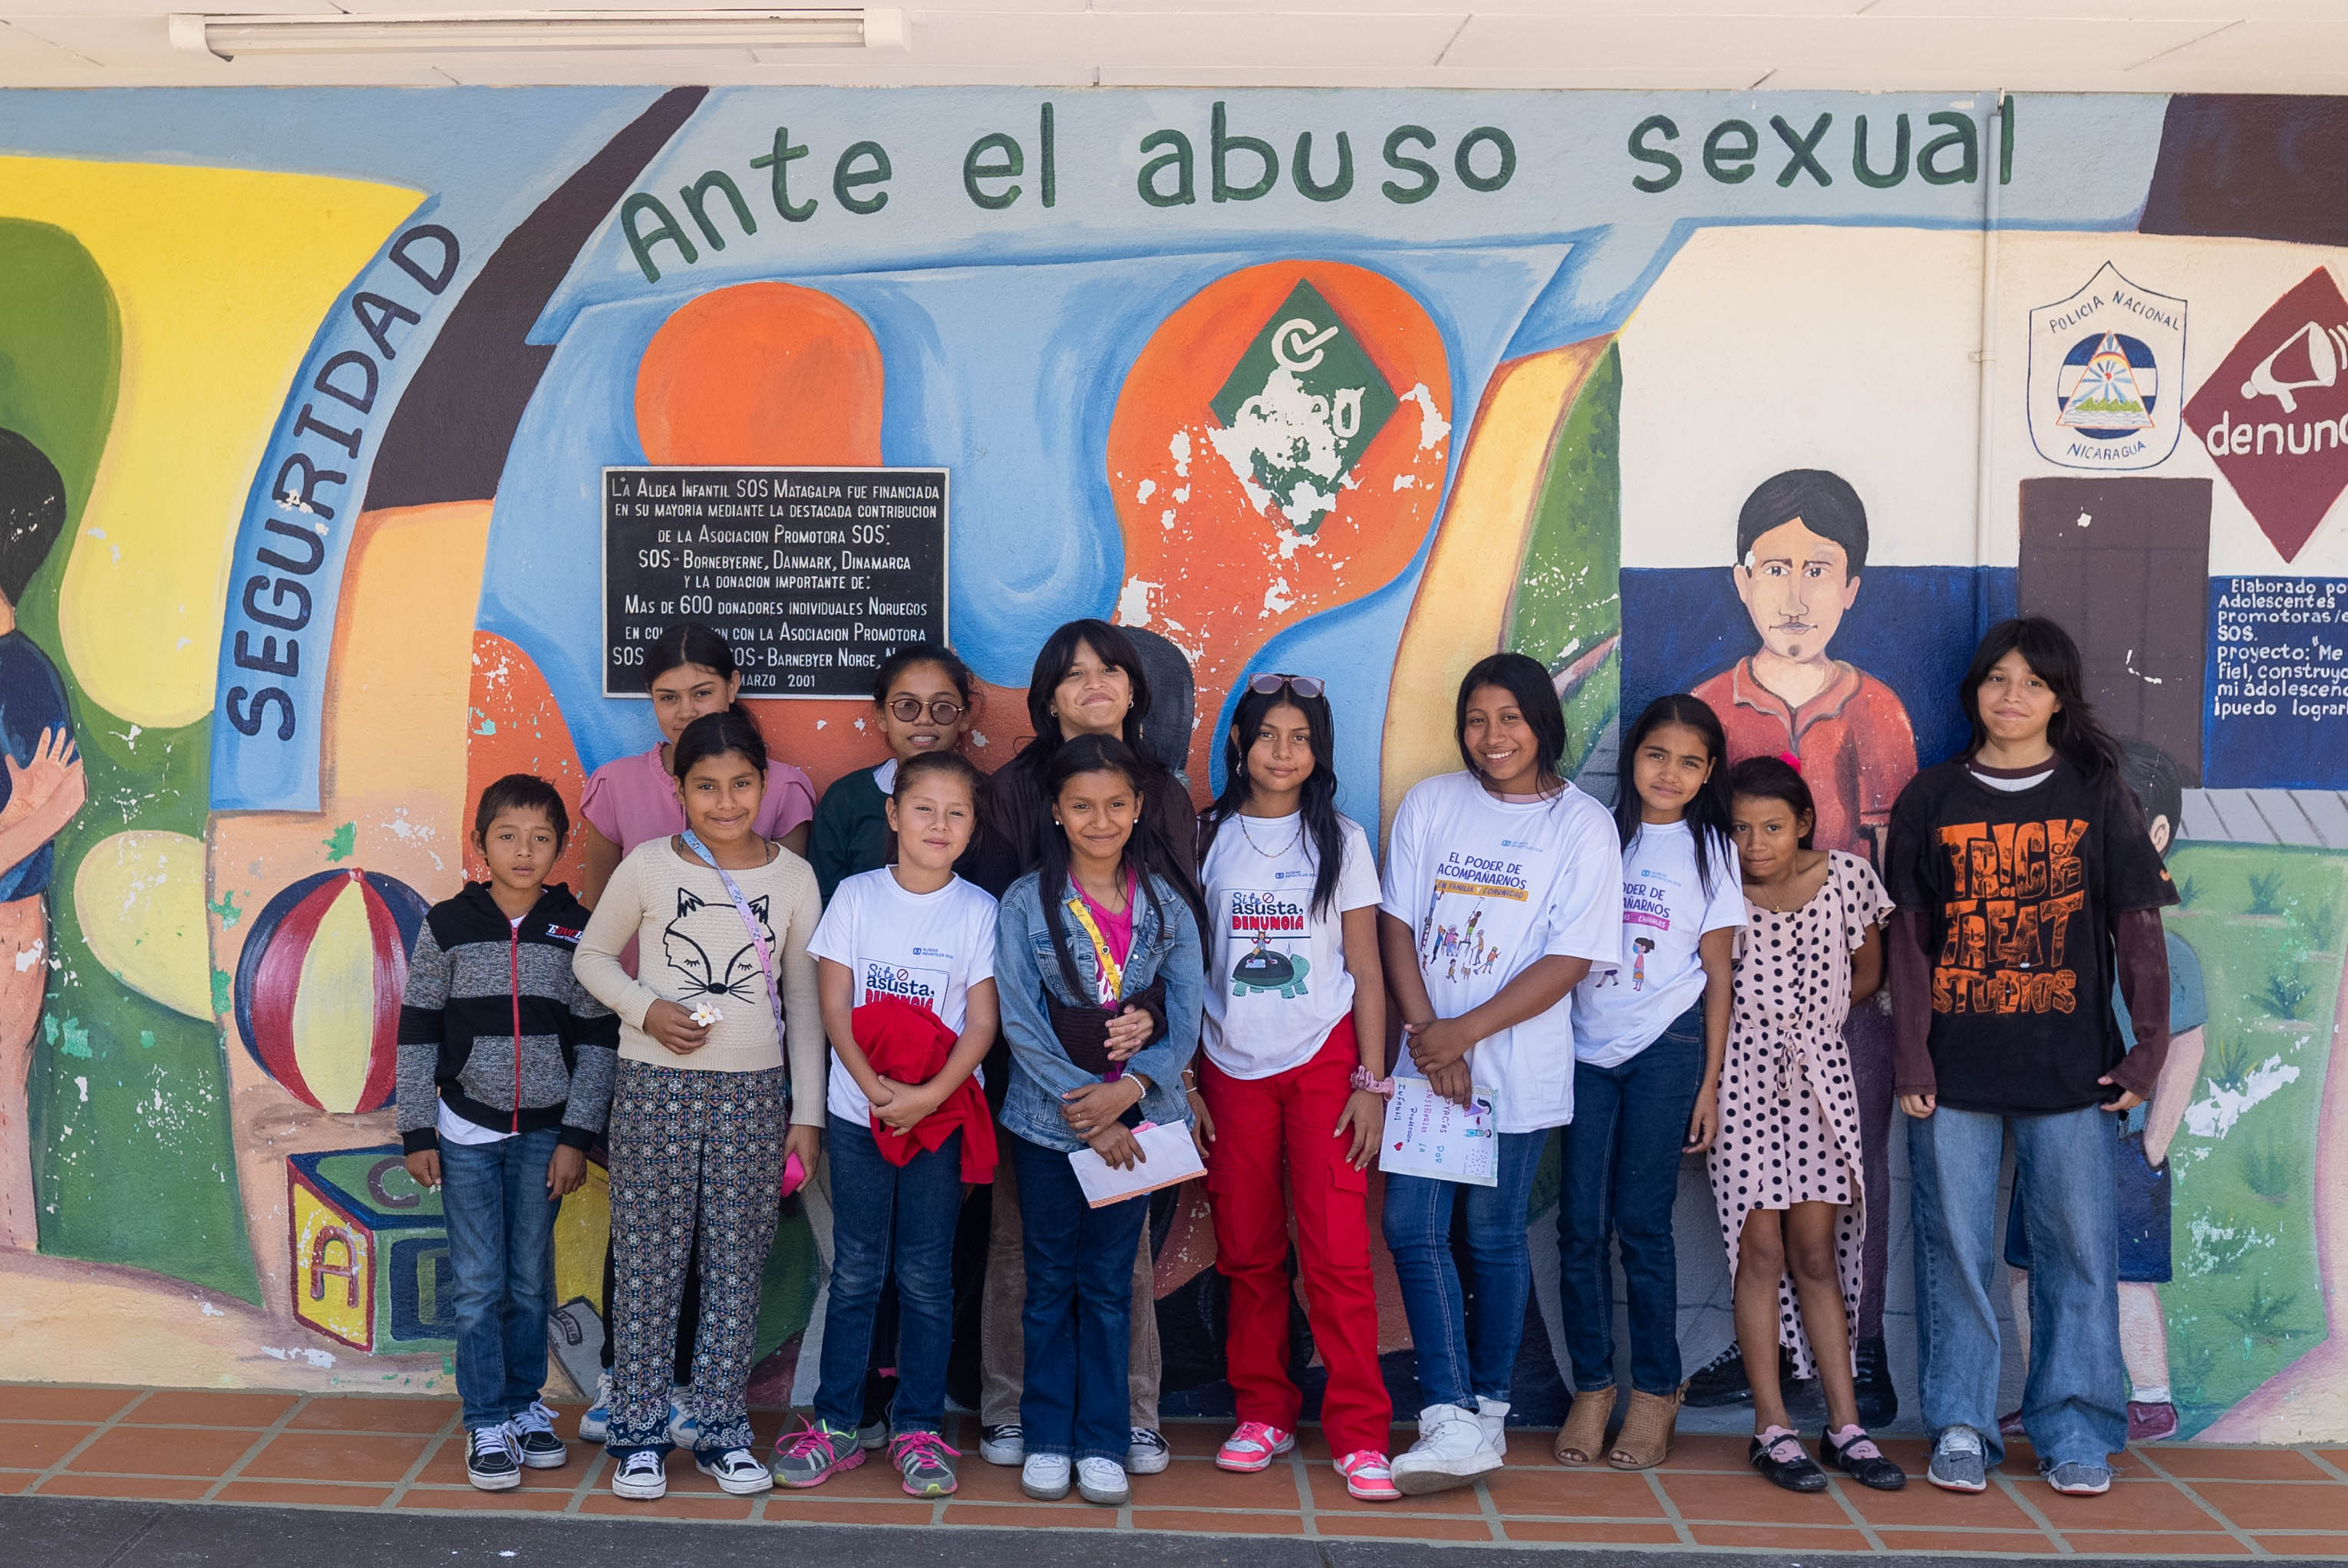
(1116, 929)
(632, 799)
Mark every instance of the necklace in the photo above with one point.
(1267, 854)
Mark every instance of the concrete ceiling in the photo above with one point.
(2092, 45)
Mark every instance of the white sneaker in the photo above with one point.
(684, 1424)
(639, 1477)
(1102, 1480)
(1045, 1476)
(1451, 1451)
(595, 1422)
(737, 1471)
(1492, 1415)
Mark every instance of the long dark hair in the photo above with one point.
(1090, 754)
(1057, 658)
(1707, 812)
(1526, 684)
(728, 733)
(1317, 800)
(2075, 732)
(690, 643)
(1774, 778)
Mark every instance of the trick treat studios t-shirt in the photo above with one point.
(2018, 890)
(1281, 982)
(1619, 1012)
(1487, 886)
(927, 948)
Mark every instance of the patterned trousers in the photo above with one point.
(690, 1148)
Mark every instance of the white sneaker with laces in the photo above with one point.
(1451, 1451)
(1004, 1444)
(737, 1471)
(1102, 1480)
(1045, 1476)
(639, 1477)
(596, 1421)
(683, 1423)
(1146, 1453)
(1492, 1415)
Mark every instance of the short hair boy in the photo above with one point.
(1801, 549)
(506, 1066)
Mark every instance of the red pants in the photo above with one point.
(1263, 1124)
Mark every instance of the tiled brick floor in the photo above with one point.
(375, 1453)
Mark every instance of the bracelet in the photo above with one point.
(1383, 1088)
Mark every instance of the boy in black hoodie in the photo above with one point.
(505, 1074)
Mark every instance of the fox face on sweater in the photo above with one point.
(712, 969)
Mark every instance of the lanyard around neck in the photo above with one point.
(1112, 973)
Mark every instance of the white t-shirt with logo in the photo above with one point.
(1280, 980)
(927, 948)
(1666, 914)
(1487, 886)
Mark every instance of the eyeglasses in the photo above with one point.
(908, 710)
(1302, 685)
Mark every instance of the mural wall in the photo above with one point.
(304, 396)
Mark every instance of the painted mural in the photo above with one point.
(304, 397)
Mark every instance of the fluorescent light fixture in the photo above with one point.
(759, 27)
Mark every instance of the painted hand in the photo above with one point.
(31, 784)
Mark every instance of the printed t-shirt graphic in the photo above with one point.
(926, 948)
(2020, 889)
(1282, 984)
(1619, 1012)
(716, 959)
(1488, 887)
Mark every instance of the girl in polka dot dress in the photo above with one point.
(1785, 1169)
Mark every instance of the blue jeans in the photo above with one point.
(882, 1211)
(2073, 1405)
(1080, 1311)
(1458, 1360)
(1622, 1171)
(501, 1228)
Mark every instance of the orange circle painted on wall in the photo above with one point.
(1278, 449)
(761, 374)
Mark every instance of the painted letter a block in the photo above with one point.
(370, 1256)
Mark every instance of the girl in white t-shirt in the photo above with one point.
(1503, 888)
(906, 981)
(1294, 1048)
(1648, 1037)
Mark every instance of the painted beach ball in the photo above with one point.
(318, 987)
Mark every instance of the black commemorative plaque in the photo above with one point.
(814, 575)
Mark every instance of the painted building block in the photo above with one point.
(370, 1252)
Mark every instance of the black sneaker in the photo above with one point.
(1719, 1381)
(493, 1461)
(534, 1441)
(1878, 1401)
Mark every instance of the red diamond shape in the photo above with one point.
(2274, 415)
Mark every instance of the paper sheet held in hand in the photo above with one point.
(1171, 1157)
(1428, 1135)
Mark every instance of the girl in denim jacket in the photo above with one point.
(1091, 933)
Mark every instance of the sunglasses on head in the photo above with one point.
(908, 710)
(1302, 685)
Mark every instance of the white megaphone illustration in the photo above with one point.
(2326, 351)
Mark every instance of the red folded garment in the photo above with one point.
(910, 1043)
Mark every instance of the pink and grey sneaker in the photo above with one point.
(1253, 1447)
(813, 1452)
(925, 1462)
(1368, 1477)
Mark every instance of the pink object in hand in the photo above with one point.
(794, 1176)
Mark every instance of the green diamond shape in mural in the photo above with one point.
(1302, 405)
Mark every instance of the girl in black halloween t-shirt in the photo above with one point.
(2025, 884)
